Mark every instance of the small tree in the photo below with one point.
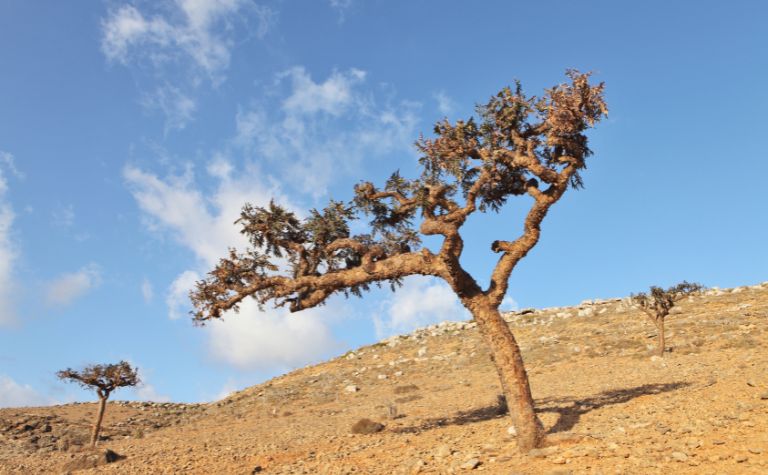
(520, 146)
(104, 379)
(658, 303)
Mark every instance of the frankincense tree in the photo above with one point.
(518, 146)
(104, 378)
(659, 302)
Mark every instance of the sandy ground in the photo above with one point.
(610, 407)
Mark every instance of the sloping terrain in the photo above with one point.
(610, 407)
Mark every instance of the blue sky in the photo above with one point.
(131, 133)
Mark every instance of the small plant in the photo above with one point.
(104, 379)
(658, 303)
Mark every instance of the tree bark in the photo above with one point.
(662, 343)
(514, 379)
(99, 418)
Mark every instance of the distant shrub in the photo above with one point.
(659, 302)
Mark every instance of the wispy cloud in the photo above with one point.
(8, 247)
(420, 302)
(177, 298)
(193, 36)
(272, 339)
(203, 223)
(177, 107)
(324, 129)
(341, 7)
(69, 287)
(13, 394)
(147, 291)
(445, 104)
(63, 216)
(199, 31)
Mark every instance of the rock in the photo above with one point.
(764, 396)
(422, 351)
(544, 452)
(512, 431)
(257, 469)
(741, 458)
(93, 460)
(382, 376)
(679, 456)
(443, 451)
(755, 450)
(366, 426)
(418, 466)
(470, 464)
(351, 388)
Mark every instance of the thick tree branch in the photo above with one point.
(316, 288)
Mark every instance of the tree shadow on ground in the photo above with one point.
(570, 410)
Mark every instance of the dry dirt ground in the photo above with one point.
(609, 406)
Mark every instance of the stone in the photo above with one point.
(755, 450)
(470, 464)
(417, 466)
(741, 458)
(679, 456)
(422, 351)
(366, 426)
(351, 388)
(543, 452)
(512, 431)
(443, 451)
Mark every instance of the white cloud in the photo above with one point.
(254, 340)
(13, 394)
(178, 294)
(147, 292)
(228, 389)
(204, 225)
(333, 96)
(69, 287)
(8, 248)
(341, 7)
(147, 392)
(325, 129)
(63, 216)
(508, 304)
(445, 104)
(321, 130)
(420, 302)
(177, 107)
(196, 30)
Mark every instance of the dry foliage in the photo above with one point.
(104, 378)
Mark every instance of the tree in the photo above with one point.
(104, 379)
(518, 146)
(658, 303)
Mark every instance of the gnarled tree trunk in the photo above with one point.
(99, 417)
(514, 379)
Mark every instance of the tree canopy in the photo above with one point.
(517, 145)
(105, 378)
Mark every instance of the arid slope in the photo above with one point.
(609, 406)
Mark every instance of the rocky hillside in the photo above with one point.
(429, 403)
